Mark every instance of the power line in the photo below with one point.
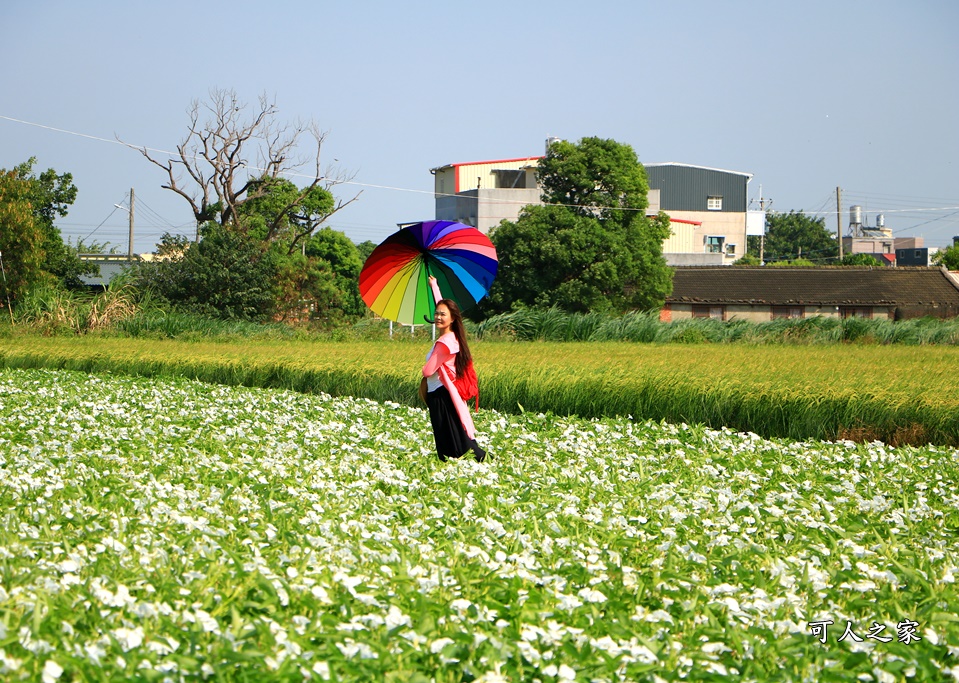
(291, 173)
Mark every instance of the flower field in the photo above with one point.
(167, 530)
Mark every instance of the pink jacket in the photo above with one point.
(442, 361)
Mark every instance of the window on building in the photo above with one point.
(714, 203)
(508, 178)
(714, 244)
(714, 311)
(730, 250)
(855, 312)
(787, 312)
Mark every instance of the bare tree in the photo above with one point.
(223, 160)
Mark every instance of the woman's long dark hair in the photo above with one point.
(464, 356)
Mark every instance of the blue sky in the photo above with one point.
(806, 96)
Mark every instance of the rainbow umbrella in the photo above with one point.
(394, 283)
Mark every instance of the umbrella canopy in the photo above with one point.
(394, 280)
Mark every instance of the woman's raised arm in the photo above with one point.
(436, 289)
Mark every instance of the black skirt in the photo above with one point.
(451, 439)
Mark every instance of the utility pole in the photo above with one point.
(130, 254)
(839, 219)
(762, 235)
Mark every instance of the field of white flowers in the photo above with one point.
(168, 530)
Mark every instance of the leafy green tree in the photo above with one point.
(21, 239)
(795, 235)
(51, 195)
(591, 247)
(337, 252)
(278, 212)
(172, 246)
(224, 275)
(365, 248)
(323, 278)
(948, 257)
(232, 168)
(859, 260)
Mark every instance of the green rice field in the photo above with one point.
(165, 529)
(892, 393)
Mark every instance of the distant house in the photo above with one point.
(708, 210)
(707, 206)
(110, 266)
(760, 293)
(483, 193)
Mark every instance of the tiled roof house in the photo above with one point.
(764, 293)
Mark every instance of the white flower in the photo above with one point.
(68, 567)
(351, 649)
(714, 648)
(8, 664)
(395, 618)
(129, 638)
(716, 668)
(322, 669)
(437, 645)
(321, 595)
(591, 595)
(568, 602)
(51, 671)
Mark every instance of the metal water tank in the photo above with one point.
(855, 215)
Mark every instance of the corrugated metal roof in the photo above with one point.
(704, 168)
(824, 286)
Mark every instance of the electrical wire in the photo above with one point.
(99, 226)
(953, 207)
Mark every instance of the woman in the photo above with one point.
(453, 429)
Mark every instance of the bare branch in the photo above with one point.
(212, 168)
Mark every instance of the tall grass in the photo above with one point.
(174, 324)
(122, 311)
(53, 310)
(555, 325)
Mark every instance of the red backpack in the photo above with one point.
(467, 385)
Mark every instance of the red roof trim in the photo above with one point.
(682, 220)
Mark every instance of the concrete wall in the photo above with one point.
(110, 265)
(687, 259)
(484, 209)
(763, 313)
